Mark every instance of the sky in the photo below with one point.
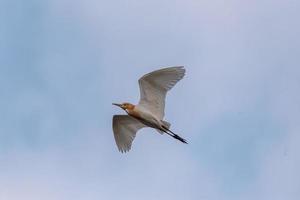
(63, 62)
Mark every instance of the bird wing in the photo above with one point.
(125, 128)
(154, 86)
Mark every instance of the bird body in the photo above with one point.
(150, 110)
(143, 115)
(146, 117)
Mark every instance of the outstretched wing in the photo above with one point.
(154, 86)
(125, 128)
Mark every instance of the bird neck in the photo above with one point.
(130, 107)
(132, 111)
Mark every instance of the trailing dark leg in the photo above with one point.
(174, 135)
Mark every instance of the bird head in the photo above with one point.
(125, 106)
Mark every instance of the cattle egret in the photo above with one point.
(149, 112)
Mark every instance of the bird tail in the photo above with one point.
(166, 127)
(165, 124)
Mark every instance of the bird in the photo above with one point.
(149, 112)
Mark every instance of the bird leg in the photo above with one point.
(174, 135)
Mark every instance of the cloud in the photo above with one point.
(238, 105)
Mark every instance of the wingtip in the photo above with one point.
(123, 151)
(180, 67)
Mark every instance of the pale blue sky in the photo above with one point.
(63, 62)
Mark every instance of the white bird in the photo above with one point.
(149, 112)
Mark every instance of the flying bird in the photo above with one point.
(149, 112)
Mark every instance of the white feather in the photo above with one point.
(125, 128)
(154, 87)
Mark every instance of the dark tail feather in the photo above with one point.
(177, 137)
